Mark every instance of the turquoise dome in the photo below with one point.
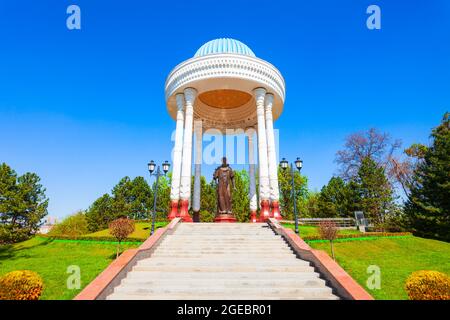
(224, 45)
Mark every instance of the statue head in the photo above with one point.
(224, 161)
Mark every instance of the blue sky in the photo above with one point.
(84, 108)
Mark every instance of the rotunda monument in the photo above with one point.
(226, 87)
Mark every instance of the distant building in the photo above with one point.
(49, 222)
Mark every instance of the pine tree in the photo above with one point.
(336, 199)
(428, 205)
(23, 204)
(373, 191)
(100, 213)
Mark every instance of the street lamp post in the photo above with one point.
(298, 164)
(151, 169)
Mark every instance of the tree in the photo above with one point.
(428, 205)
(373, 191)
(239, 194)
(121, 228)
(163, 198)
(100, 213)
(336, 199)
(328, 230)
(362, 145)
(72, 226)
(132, 198)
(309, 205)
(208, 200)
(285, 187)
(22, 204)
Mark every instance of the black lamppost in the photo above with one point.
(298, 164)
(151, 169)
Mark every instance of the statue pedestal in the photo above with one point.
(225, 218)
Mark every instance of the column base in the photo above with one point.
(276, 214)
(225, 218)
(253, 218)
(196, 216)
(264, 214)
(184, 211)
(173, 213)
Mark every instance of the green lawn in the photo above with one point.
(142, 230)
(314, 231)
(50, 259)
(396, 257)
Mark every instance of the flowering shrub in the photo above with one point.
(428, 285)
(21, 285)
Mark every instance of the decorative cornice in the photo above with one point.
(225, 66)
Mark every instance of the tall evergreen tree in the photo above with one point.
(22, 204)
(428, 205)
(373, 191)
(132, 198)
(336, 199)
(100, 213)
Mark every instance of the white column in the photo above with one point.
(177, 150)
(251, 170)
(198, 164)
(271, 151)
(186, 165)
(264, 190)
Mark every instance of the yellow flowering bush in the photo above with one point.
(21, 285)
(428, 285)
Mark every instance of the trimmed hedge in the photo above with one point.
(90, 238)
(361, 235)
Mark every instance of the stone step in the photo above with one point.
(221, 255)
(218, 268)
(213, 291)
(223, 262)
(267, 237)
(121, 296)
(204, 246)
(230, 261)
(226, 283)
(209, 250)
(207, 276)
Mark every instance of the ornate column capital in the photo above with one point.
(190, 94)
(259, 94)
(180, 101)
(269, 100)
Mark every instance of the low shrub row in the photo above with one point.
(360, 235)
(89, 238)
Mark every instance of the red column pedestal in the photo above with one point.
(276, 210)
(253, 216)
(184, 211)
(173, 213)
(225, 218)
(264, 214)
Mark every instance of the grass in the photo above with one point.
(142, 230)
(314, 231)
(396, 257)
(50, 259)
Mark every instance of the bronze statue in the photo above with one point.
(224, 178)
